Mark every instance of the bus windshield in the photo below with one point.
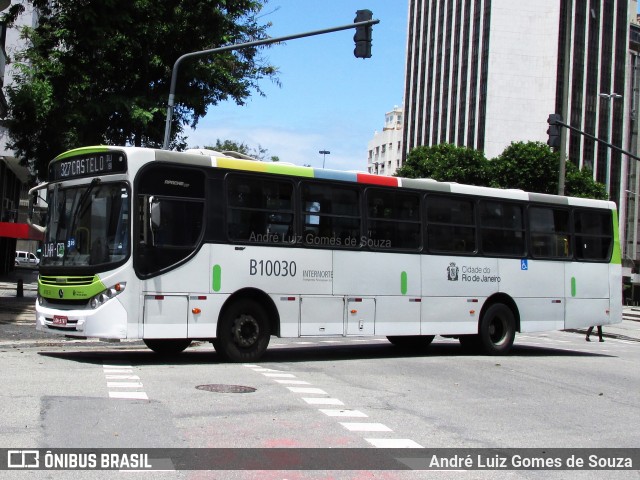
(88, 225)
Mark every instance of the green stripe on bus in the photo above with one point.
(616, 256)
(403, 283)
(573, 286)
(217, 278)
(294, 170)
(81, 151)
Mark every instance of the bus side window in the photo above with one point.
(393, 220)
(451, 225)
(259, 210)
(331, 215)
(502, 228)
(593, 235)
(549, 232)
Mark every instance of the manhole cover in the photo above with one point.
(219, 388)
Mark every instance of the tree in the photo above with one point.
(530, 166)
(534, 167)
(580, 183)
(99, 72)
(447, 163)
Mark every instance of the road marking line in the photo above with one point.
(343, 413)
(393, 443)
(351, 426)
(129, 395)
(123, 372)
(304, 343)
(365, 427)
(124, 384)
(307, 390)
(322, 401)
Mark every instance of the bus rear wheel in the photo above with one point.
(243, 332)
(167, 346)
(412, 342)
(497, 329)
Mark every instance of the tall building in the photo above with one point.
(485, 73)
(385, 148)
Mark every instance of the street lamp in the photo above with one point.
(611, 97)
(324, 154)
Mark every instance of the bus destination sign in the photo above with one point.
(89, 165)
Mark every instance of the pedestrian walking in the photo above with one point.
(599, 333)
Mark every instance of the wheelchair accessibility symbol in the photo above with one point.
(524, 264)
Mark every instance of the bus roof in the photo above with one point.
(211, 158)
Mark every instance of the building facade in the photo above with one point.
(385, 148)
(485, 73)
(14, 178)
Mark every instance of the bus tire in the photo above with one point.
(243, 332)
(497, 329)
(167, 346)
(412, 342)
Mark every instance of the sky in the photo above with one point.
(328, 99)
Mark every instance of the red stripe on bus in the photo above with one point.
(377, 179)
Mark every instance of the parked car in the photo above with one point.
(26, 259)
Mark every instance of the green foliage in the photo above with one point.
(579, 183)
(446, 163)
(530, 166)
(99, 72)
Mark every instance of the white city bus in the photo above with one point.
(172, 247)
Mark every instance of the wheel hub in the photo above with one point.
(245, 330)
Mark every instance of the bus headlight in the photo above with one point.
(107, 294)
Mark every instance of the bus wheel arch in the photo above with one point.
(247, 320)
(498, 324)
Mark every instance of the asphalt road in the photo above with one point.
(554, 391)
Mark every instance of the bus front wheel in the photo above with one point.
(167, 346)
(497, 329)
(243, 332)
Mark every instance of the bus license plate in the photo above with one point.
(59, 320)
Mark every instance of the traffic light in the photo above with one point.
(554, 130)
(362, 36)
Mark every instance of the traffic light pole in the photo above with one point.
(585, 134)
(238, 46)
